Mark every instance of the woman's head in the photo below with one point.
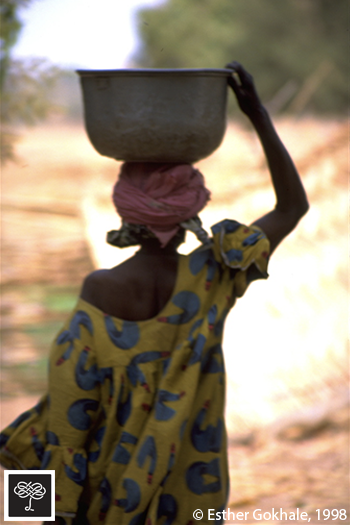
(159, 197)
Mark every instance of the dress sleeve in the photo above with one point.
(53, 434)
(241, 248)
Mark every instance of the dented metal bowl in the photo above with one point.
(155, 115)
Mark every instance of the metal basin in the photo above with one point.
(155, 115)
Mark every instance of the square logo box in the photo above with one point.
(29, 495)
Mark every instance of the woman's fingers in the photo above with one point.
(232, 82)
(245, 78)
(233, 65)
(243, 86)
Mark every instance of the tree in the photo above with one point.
(293, 48)
(25, 84)
(9, 29)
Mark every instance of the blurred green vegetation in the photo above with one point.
(10, 27)
(26, 85)
(60, 300)
(54, 303)
(26, 94)
(297, 50)
(29, 377)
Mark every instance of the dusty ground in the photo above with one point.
(288, 390)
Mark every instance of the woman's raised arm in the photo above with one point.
(291, 200)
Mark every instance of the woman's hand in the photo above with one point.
(242, 84)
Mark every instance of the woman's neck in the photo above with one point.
(151, 246)
(155, 250)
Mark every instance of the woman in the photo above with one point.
(133, 424)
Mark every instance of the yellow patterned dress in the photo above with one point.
(133, 420)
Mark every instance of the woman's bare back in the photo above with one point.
(137, 289)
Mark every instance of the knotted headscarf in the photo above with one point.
(159, 196)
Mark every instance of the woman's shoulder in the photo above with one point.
(97, 276)
(92, 284)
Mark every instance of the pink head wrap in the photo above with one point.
(159, 196)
